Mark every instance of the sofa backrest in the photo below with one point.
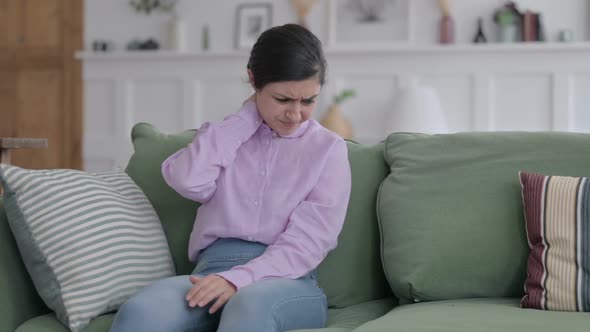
(176, 213)
(351, 274)
(451, 210)
(19, 301)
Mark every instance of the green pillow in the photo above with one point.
(89, 240)
(451, 210)
(176, 213)
(352, 273)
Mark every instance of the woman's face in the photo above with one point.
(285, 105)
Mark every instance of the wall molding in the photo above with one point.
(482, 88)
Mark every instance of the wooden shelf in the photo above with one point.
(156, 55)
(10, 143)
(349, 50)
(22, 143)
(464, 48)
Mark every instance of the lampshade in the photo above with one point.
(417, 109)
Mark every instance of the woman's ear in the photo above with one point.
(251, 79)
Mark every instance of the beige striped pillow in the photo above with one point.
(89, 241)
(557, 211)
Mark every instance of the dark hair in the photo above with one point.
(288, 52)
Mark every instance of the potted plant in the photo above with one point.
(334, 120)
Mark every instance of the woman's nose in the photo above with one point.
(294, 112)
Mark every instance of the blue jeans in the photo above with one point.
(265, 306)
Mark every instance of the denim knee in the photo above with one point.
(138, 315)
(162, 307)
(275, 305)
(245, 313)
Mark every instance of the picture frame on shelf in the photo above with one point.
(251, 20)
(370, 23)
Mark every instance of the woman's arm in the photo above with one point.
(312, 230)
(192, 171)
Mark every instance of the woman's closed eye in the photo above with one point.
(288, 100)
(283, 100)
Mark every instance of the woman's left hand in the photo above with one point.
(207, 289)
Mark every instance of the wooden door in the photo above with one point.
(40, 80)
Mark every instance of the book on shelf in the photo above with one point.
(532, 27)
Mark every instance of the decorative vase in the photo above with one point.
(447, 30)
(446, 25)
(178, 40)
(303, 7)
(335, 121)
(508, 33)
(205, 38)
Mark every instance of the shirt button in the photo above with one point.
(274, 135)
(255, 202)
(250, 238)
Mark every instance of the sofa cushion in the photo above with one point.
(475, 315)
(49, 323)
(358, 314)
(557, 210)
(19, 301)
(89, 240)
(451, 211)
(352, 273)
(347, 319)
(176, 213)
(339, 320)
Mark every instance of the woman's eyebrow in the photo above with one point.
(291, 98)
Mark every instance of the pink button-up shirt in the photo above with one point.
(288, 192)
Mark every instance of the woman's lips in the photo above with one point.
(288, 124)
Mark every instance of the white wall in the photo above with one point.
(115, 20)
(531, 88)
(498, 87)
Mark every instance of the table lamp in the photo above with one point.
(417, 109)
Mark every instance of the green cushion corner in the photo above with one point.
(451, 210)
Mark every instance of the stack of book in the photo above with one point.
(532, 27)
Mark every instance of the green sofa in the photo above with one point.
(433, 241)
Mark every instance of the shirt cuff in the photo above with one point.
(239, 278)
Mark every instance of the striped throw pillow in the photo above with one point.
(557, 211)
(89, 241)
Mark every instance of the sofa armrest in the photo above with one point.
(19, 300)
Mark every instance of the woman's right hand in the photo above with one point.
(210, 289)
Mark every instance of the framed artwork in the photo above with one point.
(251, 20)
(370, 22)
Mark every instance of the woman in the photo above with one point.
(274, 186)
